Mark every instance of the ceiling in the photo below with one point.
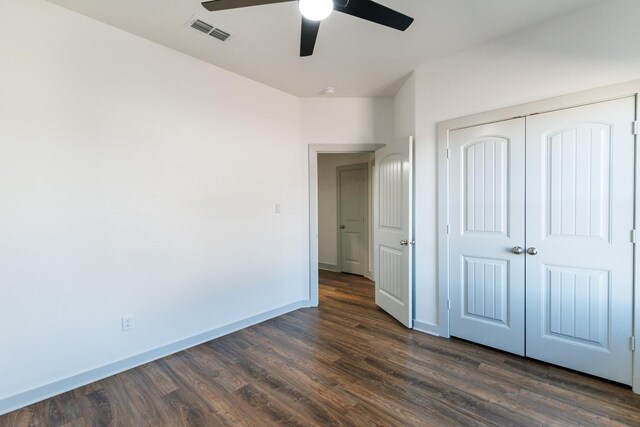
(358, 58)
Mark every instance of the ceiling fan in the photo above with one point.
(314, 11)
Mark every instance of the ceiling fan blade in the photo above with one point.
(215, 5)
(375, 12)
(309, 36)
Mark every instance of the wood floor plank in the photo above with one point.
(346, 363)
(158, 378)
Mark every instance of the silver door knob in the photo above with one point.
(404, 242)
(532, 251)
(517, 250)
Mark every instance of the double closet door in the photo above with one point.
(541, 253)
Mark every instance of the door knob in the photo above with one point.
(342, 227)
(404, 242)
(517, 250)
(532, 251)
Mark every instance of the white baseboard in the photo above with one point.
(328, 267)
(303, 304)
(427, 328)
(20, 400)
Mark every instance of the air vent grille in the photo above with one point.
(201, 26)
(219, 34)
(204, 27)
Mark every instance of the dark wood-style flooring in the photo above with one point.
(346, 363)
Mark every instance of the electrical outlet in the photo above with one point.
(127, 323)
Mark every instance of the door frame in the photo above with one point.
(314, 150)
(366, 204)
(602, 94)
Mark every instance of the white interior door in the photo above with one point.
(393, 231)
(352, 218)
(486, 235)
(580, 195)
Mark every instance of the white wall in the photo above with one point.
(347, 120)
(594, 47)
(404, 106)
(328, 203)
(134, 180)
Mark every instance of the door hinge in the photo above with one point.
(635, 127)
(448, 153)
(448, 229)
(633, 236)
(633, 343)
(448, 304)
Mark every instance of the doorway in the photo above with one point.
(392, 232)
(344, 213)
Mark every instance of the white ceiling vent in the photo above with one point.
(199, 24)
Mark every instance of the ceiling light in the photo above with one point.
(316, 10)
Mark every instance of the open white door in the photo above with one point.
(393, 231)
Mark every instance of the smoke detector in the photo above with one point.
(328, 91)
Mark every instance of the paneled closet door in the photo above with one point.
(486, 241)
(580, 195)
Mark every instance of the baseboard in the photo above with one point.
(12, 403)
(329, 267)
(427, 328)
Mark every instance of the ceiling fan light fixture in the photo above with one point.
(316, 10)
